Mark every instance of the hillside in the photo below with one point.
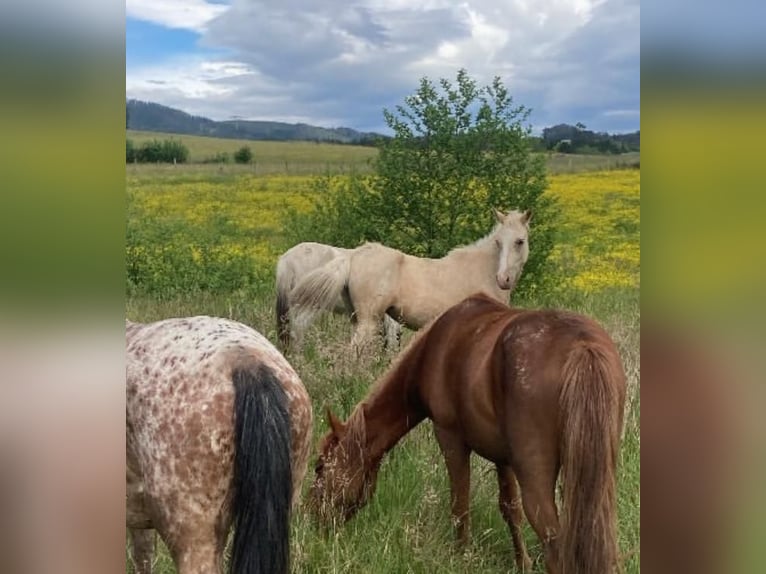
(147, 116)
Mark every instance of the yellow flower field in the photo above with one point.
(600, 238)
(196, 227)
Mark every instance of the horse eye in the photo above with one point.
(519, 242)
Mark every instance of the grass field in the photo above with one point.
(269, 157)
(307, 158)
(236, 216)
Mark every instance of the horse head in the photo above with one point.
(511, 237)
(344, 479)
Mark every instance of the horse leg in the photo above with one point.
(143, 549)
(364, 333)
(509, 499)
(200, 558)
(299, 323)
(457, 456)
(538, 486)
(392, 332)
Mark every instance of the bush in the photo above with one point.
(169, 258)
(243, 155)
(457, 153)
(130, 151)
(174, 152)
(155, 151)
(220, 157)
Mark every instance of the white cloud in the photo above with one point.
(184, 78)
(622, 113)
(185, 14)
(333, 61)
(219, 90)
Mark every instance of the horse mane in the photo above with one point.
(392, 382)
(400, 363)
(476, 245)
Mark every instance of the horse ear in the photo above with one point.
(526, 217)
(499, 215)
(334, 423)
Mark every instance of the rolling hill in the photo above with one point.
(148, 116)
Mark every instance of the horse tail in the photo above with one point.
(321, 288)
(283, 306)
(283, 319)
(262, 481)
(591, 402)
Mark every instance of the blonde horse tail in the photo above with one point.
(591, 402)
(320, 289)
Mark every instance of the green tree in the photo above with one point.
(243, 155)
(458, 151)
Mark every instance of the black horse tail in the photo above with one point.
(262, 483)
(283, 318)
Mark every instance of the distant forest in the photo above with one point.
(149, 116)
(577, 139)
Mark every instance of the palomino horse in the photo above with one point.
(534, 392)
(413, 290)
(294, 264)
(218, 432)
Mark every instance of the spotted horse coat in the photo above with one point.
(218, 426)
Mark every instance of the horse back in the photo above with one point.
(530, 364)
(303, 258)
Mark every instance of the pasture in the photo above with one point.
(203, 239)
(307, 158)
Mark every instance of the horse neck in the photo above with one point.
(393, 408)
(479, 260)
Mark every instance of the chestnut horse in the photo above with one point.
(218, 432)
(380, 281)
(534, 391)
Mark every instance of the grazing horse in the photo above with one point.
(534, 392)
(413, 290)
(295, 263)
(218, 432)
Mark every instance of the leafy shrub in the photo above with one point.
(243, 155)
(167, 258)
(155, 151)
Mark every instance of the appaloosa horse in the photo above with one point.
(218, 432)
(413, 290)
(293, 265)
(534, 392)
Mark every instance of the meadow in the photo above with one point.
(204, 240)
(308, 158)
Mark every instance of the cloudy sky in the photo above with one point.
(339, 63)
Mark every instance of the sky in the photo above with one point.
(337, 63)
